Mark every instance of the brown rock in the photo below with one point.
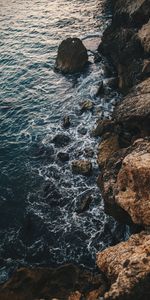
(87, 105)
(75, 296)
(64, 282)
(144, 37)
(134, 110)
(83, 167)
(131, 12)
(103, 126)
(107, 148)
(133, 184)
(72, 56)
(115, 179)
(127, 266)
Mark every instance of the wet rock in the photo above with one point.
(72, 56)
(51, 194)
(112, 82)
(127, 266)
(100, 90)
(87, 105)
(66, 122)
(63, 156)
(84, 204)
(82, 130)
(107, 148)
(61, 140)
(88, 152)
(129, 182)
(83, 167)
(103, 126)
(64, 282)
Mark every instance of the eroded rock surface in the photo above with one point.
(64, 283)
(125, 183)
(127, 266)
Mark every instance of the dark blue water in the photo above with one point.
(39, 195)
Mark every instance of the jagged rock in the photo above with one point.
(111, 182)
(127, 266)
(126, 46)
(61, 140)
(72, 56)
(100, 90)
(131, 12)
(103, 126)
(134, 110)
(133, 184)
(63, 156)
(107, 148)
(84, 204)
(87, 105)
(66, 122)
(83, 167)
(47, 283)
(144, 36)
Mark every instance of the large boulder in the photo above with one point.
(72, 56)
(133, 184)
(46, 283)
(127, 266)
(125, 184)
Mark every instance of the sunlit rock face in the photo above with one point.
(127, 265)
(72, 56)
(125, 183)
(133, 184)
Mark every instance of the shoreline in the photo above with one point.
(125, 167)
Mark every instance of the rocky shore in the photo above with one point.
(124, 180)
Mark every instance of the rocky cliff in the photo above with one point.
(124, 159)
(124, 154)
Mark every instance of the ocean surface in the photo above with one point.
(39, 194)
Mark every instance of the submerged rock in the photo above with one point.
(63, 156)
(61, 140)
(72, 56)
(84, 204)
(103, 126)
(66, 122)
(127, 266)
(83, 167)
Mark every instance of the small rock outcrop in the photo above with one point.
(127, 266)
(83, 167)
(72, 56)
